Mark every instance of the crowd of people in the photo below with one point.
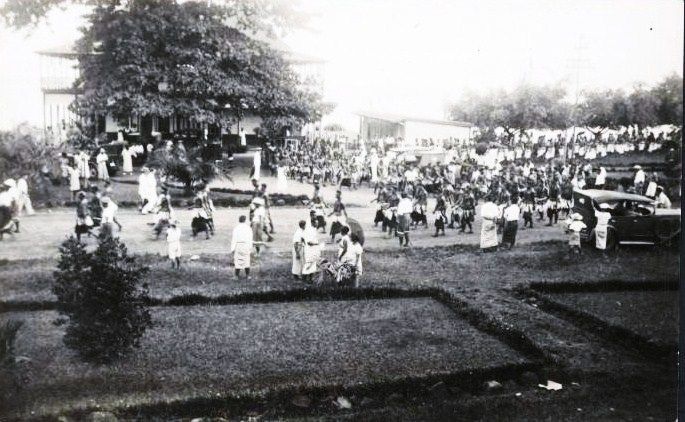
(502, 183)
(516, 178)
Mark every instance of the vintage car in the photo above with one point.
(634, 218)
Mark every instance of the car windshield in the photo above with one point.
(625, 208)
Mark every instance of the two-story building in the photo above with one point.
(59, 71)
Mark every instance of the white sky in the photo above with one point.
(414, 56)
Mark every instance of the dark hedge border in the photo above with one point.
(470, 380)
(513, 338)
(603, 286)
(664, 352)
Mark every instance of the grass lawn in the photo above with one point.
(234, 350)
(652, 315)
(461, 268)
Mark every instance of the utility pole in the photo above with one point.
(576, 65)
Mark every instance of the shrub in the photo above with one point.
(8, 375)
(189, 167)
(23, 151)
(101, 294)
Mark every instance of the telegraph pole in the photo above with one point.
(576, 64)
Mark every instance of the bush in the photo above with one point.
(8, 375)
(189, 167)
(102, 295)
(23, 151)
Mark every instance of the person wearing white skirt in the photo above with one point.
(241, 247)
(173, 239)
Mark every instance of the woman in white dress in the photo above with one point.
(489, 212)
(602, 226)
(312, 252)
(126, 155)
(101, 159)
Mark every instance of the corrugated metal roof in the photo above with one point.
(401, 119)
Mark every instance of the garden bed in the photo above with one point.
(650, 315)
(229, 352)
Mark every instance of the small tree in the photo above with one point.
(102, 295)
(188, 167)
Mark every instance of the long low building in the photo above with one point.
(411, 129)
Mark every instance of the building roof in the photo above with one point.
(293, 57)
(401, 119)
(65, 50)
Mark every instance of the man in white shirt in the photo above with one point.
(511, 222)
(241, 247)
(404, 209)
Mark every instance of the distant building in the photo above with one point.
(59, 71)
(411, 129)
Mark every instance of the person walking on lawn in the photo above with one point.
(241, 247)
(298, 250)
(511, 223)
(173, 239)
(404, 209)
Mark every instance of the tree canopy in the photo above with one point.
(524, 108)
(528, 107)
(209, 63)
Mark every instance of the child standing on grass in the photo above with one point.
(575, 226)
(173, 239)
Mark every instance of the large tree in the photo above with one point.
(669, 94)
(602, 110)
(526, 107)
(206, 62)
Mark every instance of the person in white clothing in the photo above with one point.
(574, 228)
(243, 138)
(298, 250)
(602, 227)
(102, 159)
(126, 156)
(241, 247)
(511, 223)
(109, 213)
(601, 178)
(173, 239)
(489, 212)
(147, 190)
(312, 252)
(404, 209)
(23, 198)
(662, 200)
(639, 179)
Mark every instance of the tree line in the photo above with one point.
(537, 107)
